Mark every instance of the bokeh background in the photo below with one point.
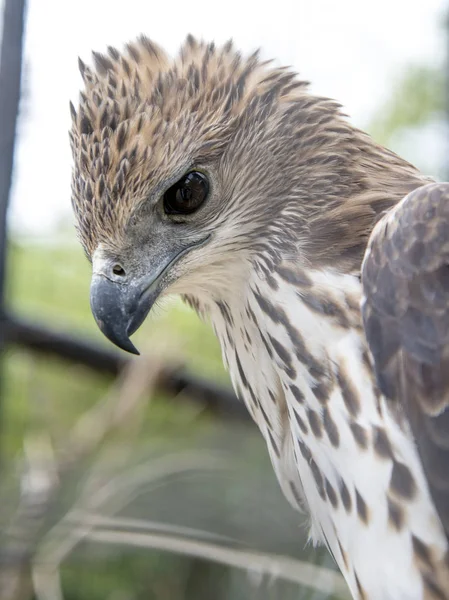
(115, 487)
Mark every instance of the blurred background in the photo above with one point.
(145, 479)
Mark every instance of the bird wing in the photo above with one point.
(405, 308)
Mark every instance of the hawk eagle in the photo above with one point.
(223, 179)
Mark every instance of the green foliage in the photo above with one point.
(416, 98)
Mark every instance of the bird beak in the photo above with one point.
(119, 309)
(121, 306)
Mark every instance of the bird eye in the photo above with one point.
(187, 194)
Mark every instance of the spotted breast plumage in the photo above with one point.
(223, 179)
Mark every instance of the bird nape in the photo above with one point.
(223, 179)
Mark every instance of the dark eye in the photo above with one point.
(187, 194)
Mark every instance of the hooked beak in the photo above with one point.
(120, 307)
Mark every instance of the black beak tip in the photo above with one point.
(121, 341)
(129, 347)
(133, 350)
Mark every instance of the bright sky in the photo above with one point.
(350, 49)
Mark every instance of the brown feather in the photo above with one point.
(304, 175)
(406, 317)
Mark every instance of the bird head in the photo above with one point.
(190, 171)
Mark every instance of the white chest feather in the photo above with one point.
(296, 353)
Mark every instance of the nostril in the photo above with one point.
(118, 270)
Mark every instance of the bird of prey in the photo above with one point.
(320, 259)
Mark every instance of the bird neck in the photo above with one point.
(294, 345)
